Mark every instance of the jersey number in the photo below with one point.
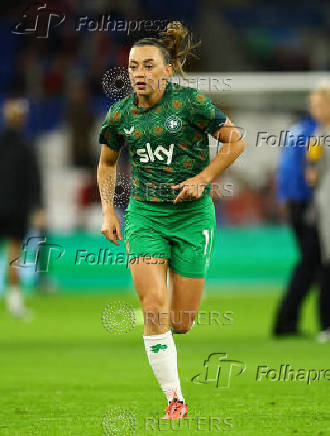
(208, 240)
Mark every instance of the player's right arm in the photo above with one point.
(106, 179)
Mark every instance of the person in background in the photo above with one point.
(318, 177)
(294, 192)
(81, 121)
(20, 194)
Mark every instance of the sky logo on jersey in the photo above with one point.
(148, 155)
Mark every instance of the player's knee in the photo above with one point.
(182, 323)
(179, 332)
(153, 309)
(180, 329)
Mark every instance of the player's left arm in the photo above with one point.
(233, 145)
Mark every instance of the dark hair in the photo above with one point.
(175, 44)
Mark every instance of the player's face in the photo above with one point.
(147, 70)
(319, 107)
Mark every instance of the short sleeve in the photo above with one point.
(109, 131)
(204, 114)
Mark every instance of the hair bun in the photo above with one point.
(175, 43)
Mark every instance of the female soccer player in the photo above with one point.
(170, 220)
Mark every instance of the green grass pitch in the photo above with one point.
(61, 373)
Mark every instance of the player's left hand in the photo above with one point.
(192, 188)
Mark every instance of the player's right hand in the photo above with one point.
(111, 229)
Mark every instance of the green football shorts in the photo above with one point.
(184, 233)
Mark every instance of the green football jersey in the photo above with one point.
(167, 142)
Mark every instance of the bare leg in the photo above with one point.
(151, 285)
(150, 280)
(15, 298)
(185, 297)
(14, 252)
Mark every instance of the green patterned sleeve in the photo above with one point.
(204, 114)
(109, 131)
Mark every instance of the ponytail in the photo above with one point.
(175, 44)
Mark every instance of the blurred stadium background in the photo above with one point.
(266, 56)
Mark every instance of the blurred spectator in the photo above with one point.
(20, 194)
(81, 122)
(318, 176)
(295, 194)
